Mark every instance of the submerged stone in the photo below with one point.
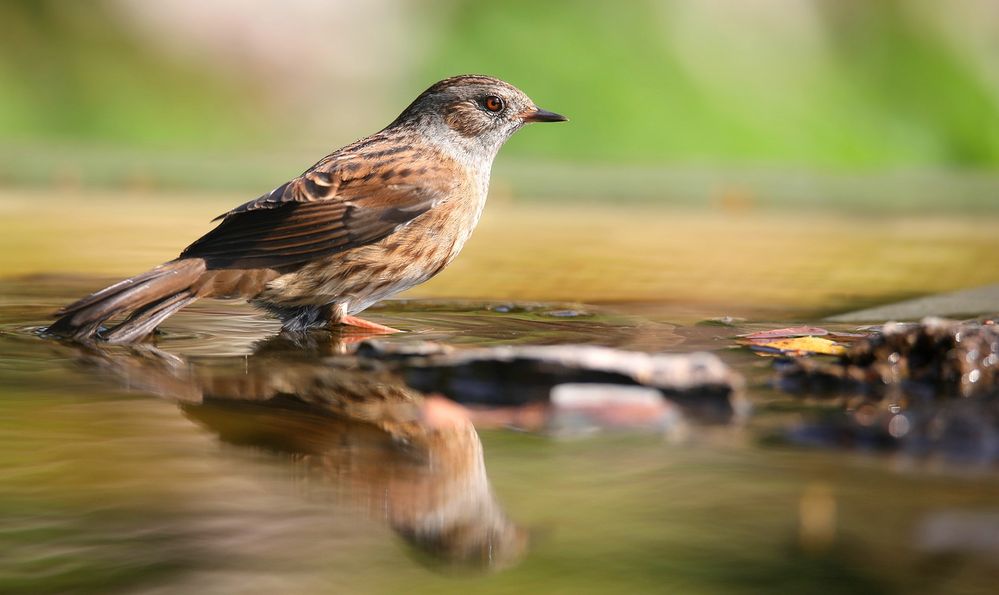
(700, 383)
(583, 409)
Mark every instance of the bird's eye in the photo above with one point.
(493, 103)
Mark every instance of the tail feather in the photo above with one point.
(109, 291)
(149, 297)
(145, 319)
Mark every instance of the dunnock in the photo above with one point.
(367, 221)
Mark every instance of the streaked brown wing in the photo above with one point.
(318, 214)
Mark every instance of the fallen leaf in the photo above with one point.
(805, 345)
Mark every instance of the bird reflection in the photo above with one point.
(412, 459)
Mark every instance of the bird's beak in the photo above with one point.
(542, 115)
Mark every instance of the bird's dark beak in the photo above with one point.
(543, 115)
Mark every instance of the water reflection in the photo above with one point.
(412, 460)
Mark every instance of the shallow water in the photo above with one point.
(228, 460)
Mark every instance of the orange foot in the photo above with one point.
(368, 325)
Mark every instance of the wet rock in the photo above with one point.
(959, 304)
(934, 359)
(699, 383)
(926, 389)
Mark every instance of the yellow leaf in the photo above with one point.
(803, 345)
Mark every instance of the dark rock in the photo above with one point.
(926, 389)
(935, 359)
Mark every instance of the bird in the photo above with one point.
(367, 221)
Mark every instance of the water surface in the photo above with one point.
(231, 460)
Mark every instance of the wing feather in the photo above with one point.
(335, 206)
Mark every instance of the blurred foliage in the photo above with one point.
(840, 84)
(71, 70)
(875, 87)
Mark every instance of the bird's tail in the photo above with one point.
(148, 299)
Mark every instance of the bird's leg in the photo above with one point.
(338, 319)
(368, 325)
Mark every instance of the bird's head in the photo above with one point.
(477, 113)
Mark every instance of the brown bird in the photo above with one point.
(367, 221)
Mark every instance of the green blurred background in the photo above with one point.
(822, 154)
(836, 96)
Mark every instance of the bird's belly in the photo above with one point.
(357, 278)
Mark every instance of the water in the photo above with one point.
(165, 470)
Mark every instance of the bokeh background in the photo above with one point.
(126, 125)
